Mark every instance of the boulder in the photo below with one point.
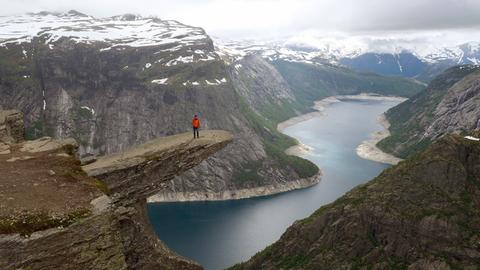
(11, 126)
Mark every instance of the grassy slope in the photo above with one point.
(409, 119)
(275, 145)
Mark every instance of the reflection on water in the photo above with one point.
(220, 234)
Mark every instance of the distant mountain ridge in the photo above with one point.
(423, 64)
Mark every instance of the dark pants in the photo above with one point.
(195, 133)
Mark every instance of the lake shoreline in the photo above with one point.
(368, 149)
(228, 195)
(300, 150)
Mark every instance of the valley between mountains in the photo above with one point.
(112, 83)
(101, 108)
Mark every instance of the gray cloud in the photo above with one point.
(242, 18)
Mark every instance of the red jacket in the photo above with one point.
(196, 122)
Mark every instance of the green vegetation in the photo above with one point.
(77, 174)
(247, 173)
(275, 145)
(35, 130)
(26, 224)
(302, 167)
(83, 113)
(280, 112)
(295, 262)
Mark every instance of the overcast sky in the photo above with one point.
(270, 18)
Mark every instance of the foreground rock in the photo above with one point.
(421, 214)
(59, 215)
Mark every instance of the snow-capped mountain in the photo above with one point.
(178, 43)
(278, 50)
(109, 33)
(387, 58)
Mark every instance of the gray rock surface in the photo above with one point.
(116, 234)
(459, 109)
(450, 104)
(260, 83)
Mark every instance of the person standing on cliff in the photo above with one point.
(196, 126)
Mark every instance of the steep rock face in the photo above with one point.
(421, 214)
(260, 83)
(459, 109)
(451, 104)
(125, 81)
(112, 231)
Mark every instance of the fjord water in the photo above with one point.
(220, 234)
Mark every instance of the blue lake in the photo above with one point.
(220, 234)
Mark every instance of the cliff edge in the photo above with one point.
(57, 214)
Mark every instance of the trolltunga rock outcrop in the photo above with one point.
(55, 214)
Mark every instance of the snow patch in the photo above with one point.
(397, 58)
(217, 82)
(210, 83)
(172, 49)
(92, 111)
(180, 59)
(141, 32)
(160, 81)
(472, 138)
(475, 61)
(208, 58)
